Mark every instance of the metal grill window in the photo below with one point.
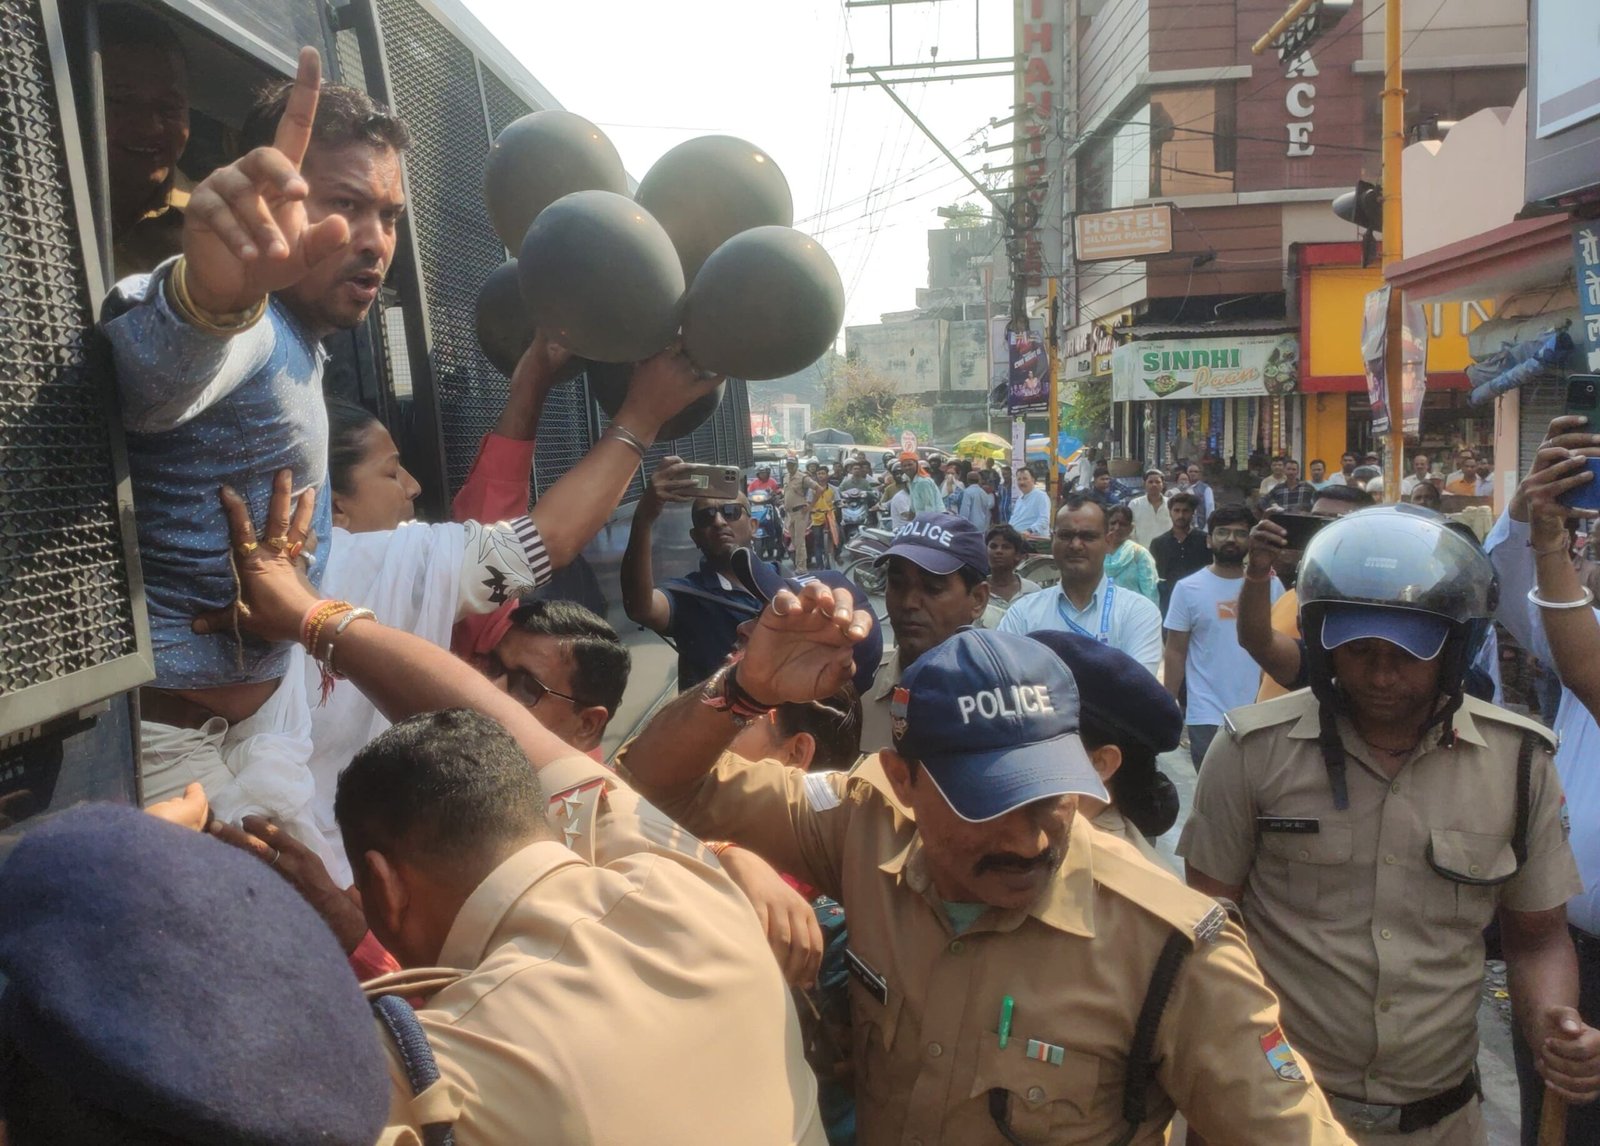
(65, 604)
(434, 85)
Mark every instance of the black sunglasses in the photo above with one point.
(702, 516)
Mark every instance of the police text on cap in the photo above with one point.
(991, 702)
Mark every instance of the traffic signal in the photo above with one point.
(1364, 208)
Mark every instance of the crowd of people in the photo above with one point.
(875, 879)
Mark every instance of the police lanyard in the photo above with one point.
(1104, 635)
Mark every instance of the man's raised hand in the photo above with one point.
(801, 648)
(245, 231)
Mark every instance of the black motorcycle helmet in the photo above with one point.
(1402, 559)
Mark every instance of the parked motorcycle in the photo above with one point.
(855, 513)
(857, 556)
(769, 525)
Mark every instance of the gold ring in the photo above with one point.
(294, 550)
(248, 547)
(279, 543)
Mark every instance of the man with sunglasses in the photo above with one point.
(565, 665)
(699, 613)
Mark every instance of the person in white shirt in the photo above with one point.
(1150, 516)
(1030, 515)
(1203, 494)
(1202, 639)
(1085, 601)
(1273, 480)
(1420, 473)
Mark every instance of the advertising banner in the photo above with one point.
(1187, 369)
(1029, 383)
(1374, 348)
(1586, 268)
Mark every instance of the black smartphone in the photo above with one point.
(1583, 397)
(1301, 527)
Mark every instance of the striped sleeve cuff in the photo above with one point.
(538, 559)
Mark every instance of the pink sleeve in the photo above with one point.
(370, 959)
(497, 488)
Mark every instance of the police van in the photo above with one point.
(74, 641)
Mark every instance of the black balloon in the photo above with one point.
(608, 382)
(768, 302)
(504, 329)
(707, 190)
(601, 278)
(539, 158)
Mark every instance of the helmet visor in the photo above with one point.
(1420, 634)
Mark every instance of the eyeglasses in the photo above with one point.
(523, 687)
(703, 516)
(1231, 534)
(1085, 536)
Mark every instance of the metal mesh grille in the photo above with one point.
(64, 593)
(433, 83)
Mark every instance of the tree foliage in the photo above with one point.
(861, 401)
(1088, 416)
(963, 215)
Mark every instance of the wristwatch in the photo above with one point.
(722, 693)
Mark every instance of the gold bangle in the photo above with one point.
(214, 322)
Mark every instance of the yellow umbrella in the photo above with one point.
(984, 445)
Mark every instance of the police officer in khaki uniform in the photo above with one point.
(588, 968)
(798, 489)
(938, 581)
(1372, 826)
(1002, 955)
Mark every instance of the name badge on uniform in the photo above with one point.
(877, 986)
(1291, 825)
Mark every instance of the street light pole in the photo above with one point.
(1394, 136)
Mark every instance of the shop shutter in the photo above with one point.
(1541, 401)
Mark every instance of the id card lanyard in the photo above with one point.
(1104, 635)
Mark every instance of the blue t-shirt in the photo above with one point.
(705, 630)
(200, 411)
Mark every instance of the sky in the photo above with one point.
(866, 182)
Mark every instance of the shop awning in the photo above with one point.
(1518, 256)
(1210, 329)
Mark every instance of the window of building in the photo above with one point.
(1446, 95)
(1182, 143)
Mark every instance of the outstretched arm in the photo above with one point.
(402, 674)
(1277, 653)
(1573, 634)
(578, 505)
(642, 601)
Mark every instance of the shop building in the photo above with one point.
(1166, 104)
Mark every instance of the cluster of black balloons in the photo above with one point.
(704, 250)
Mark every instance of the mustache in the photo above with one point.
(1048, 860)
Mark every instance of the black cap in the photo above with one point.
(1117, 692)
(174, 982)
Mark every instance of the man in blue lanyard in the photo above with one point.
(1085, 602)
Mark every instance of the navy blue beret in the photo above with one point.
(1117, 692)
(182, 985)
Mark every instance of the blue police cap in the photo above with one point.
(764, 582)
(1117, 692)
(181, 985)
(941, 543)
(993, 719)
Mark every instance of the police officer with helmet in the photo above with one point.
(1370, 828)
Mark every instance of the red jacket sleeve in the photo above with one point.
(497, 489)
(370, 959)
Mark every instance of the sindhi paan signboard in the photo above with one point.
(1244, 366)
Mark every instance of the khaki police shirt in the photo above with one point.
(614, 990)
(1377, 957)
(925, 1002)
(876, 732)
(796, 492)
(1112, 822)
